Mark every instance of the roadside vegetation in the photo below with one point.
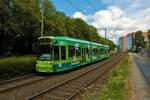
(20, 26)
(17, 66)
(114, 89)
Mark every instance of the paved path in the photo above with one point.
(143, 65)
(139, 73)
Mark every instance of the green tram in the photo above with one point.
(57, 54)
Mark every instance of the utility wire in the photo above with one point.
(91, 5)
(71, 3)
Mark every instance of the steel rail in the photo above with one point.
(99, 76)
(21, 85)
(64, 82)
(16, 79)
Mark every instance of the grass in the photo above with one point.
(114, 89)
(16, 66)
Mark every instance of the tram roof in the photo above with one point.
(73, 40)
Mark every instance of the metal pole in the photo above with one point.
(42, 26)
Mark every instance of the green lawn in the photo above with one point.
(114, 89)
(16, 66)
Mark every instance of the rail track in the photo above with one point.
(66, 90)
(19, 82)
(48, 87)
(16, 79)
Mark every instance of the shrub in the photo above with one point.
(16, 66)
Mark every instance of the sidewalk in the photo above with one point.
(139, 87)
(143, 65)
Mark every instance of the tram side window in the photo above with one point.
(101, 51)
(71, 51)
(87, 52)
(98, 52)
(56, 53)
(63, 52)
(78, 52)
(104, 51)
(94, 51)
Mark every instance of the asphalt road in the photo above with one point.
(143, 65)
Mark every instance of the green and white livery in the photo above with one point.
(57, 54)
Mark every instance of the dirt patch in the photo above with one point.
(128, 87)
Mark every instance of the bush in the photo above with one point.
(16, 66)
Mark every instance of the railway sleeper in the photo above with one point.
(66, 89)
(83, 81)
(56, 93)
(50, 97)
(72, 87)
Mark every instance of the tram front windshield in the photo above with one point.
(44, 51)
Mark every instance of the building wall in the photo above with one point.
(129, 41)
(126, 42)
(122, 43)
(145, 34)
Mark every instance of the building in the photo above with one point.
(129, 41)
(120, 43)
(145, 34)
(123, 43)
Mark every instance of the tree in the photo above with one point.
(27, 28)
(20, 24)
(149, 35)
(6, 26)
(139, 39)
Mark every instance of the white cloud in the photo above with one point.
(113, 18)
(121, 20)
(80, 15)
(116, 12)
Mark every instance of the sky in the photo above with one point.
(120, 17)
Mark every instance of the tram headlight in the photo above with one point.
(38, 62)
(49, 63)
